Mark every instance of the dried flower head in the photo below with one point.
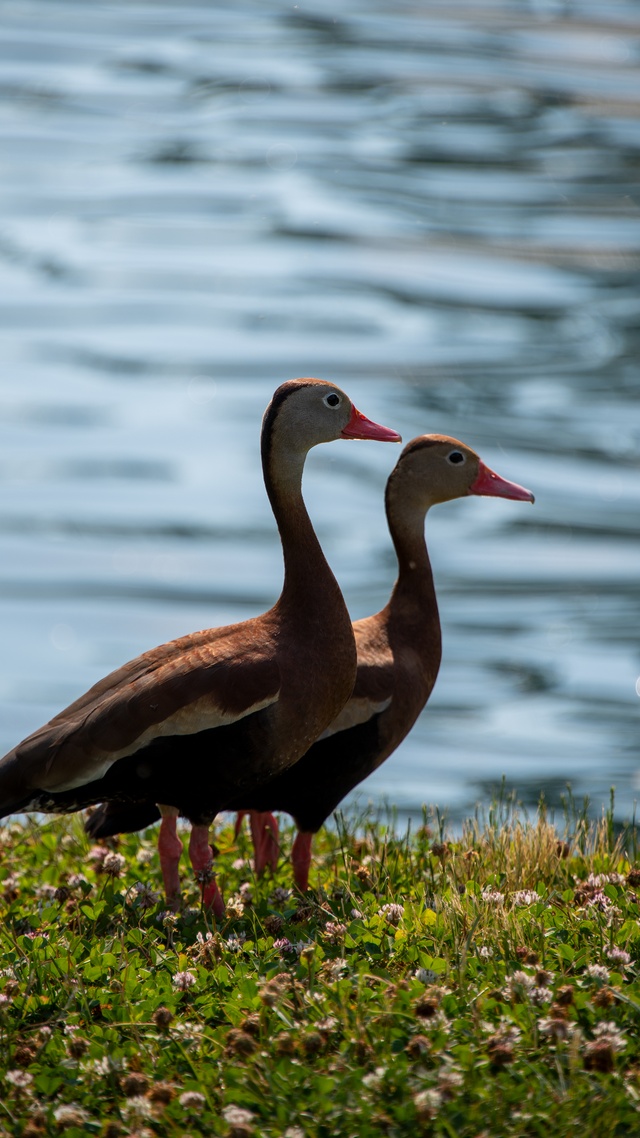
(311, 1042)
(418, 1046)
(162, 1093)
(113, 864)
(135, 1084)
(162, 1017)
(240, 1042)
(77, 1046)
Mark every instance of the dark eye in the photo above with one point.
(456, 456)
(332, 400)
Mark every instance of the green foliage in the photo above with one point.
(474, 987)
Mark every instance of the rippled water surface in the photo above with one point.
(436, 205)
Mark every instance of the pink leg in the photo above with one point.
(301, 859)
(265, 834)
(170, 849)
(240, 817)
(201, 856)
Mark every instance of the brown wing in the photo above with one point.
(373, 689)
(186, 686)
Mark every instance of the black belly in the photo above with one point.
(310, 790)
(199, 774)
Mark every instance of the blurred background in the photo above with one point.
(435, 205)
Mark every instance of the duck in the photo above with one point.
(399, 653)
(195, 723)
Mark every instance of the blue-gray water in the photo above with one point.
(437, 206)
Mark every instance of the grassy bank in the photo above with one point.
(481, 987)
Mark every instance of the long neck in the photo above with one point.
(413, 607)
(306, 572)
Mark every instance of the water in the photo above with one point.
(434, 205)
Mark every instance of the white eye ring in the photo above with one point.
(456, 457)
(332, 400)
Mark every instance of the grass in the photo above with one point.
(482, 987)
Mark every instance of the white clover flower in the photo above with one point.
(294, 1132)
(607, 1032)
(334, 930)
(279, 896)
(237, 1116)
(235, 906)
(70, 1115)
(76, 880)
(19, 1079)
(425, 975)
(597, 880)
(508, 1032)
(328, 1024)
(142, 895)
(246, 892)
(145, 855)
(106, 1065)
(239, 863)
(428, 1103)
(557, 1029)
(525, 897)
(600, 901)
(137, 1108)
(485, 952)
(524, 980)
(192, 1100)
(619, 956)
(598, 972)
(355, 915)
(541, 995)
(283, 944)
(184, 980)
(392, 913)
(374, 1079)
(449, 1078)
(337, 968)
(235, 941)
(46, 891)
(492, 897)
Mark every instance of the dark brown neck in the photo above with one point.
(413, 607)
(309, 584)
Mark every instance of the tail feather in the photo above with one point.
(15, 793)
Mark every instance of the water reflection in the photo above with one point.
(437, 208)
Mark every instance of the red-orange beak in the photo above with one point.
(488, 484)
(359, 427)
